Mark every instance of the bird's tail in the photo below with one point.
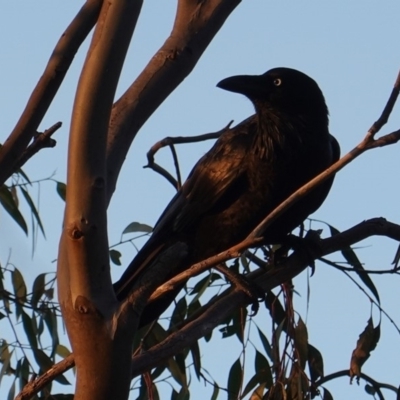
(146, 256)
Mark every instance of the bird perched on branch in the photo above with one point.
(249, 171)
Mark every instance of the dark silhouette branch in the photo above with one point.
(171, 141)
(47, 87)
(384, 118)
(345, 372)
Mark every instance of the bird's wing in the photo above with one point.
(216, 178)
(214, 182)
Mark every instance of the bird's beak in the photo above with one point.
(249, 85)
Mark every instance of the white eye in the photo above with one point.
(277, 82)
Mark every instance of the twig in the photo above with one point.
(198, 268)
(367, 271)
(171, 142)
(383, 119)
(40, 141)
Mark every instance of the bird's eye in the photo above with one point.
(277, 82)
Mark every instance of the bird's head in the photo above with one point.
(284, 90)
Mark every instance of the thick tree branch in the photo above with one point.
(85, 224)
(195, 26)
(47, 87)
(87, 299)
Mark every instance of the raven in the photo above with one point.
(249, 171)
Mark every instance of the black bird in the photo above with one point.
(249, 171)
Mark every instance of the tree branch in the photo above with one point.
(195, 26)
(87, 299)
(345, 372)
(40, 141)
(47, 87)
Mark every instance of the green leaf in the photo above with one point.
(18, 285)
(179, 313)
(11, 393)
(50, 320)
(40, 327)
(33, 209)
(176, 372)
(301, 342)
(115, 257)
(251, 384)
(202, 285)
(61, 190)
(195, 351)
(38, 289)
(275, 308)
(215, 392)
(42, 359)
(265, 343)
(235, 380)
(351, 257)
(45, 363)
(23, 373)
(29, 331)
(5, 358)
(22, 173)
(62, 351)
(183, 394)
(261, 363)
(7, 201)
(370, 389)
(262, 377)
(137, 227)
(315, 363)
(327, 395)
(238, 319)
(62, 380)
(193, 307)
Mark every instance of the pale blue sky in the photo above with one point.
(349, 48)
